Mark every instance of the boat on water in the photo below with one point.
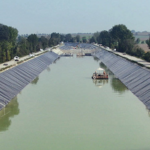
(100, 74)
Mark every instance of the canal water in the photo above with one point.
(64, 109)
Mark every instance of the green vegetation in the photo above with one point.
(8, 37)
(122, 39)
(138, 41)
(118, 37)
(11, 46)
(147, 56)
(148, 42)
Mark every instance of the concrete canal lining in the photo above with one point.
(135, 77)
(12, 81)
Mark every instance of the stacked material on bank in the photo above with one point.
(15, 79)
(57, 51)
(135, 77)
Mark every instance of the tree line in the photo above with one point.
(8, 37)
(121, 38)
(13, 45)
(118, 37)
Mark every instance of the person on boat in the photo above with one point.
(104, 73)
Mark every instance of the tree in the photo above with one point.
(92, 39)
(4, 32)
(53, 42)
(55, 35)
(139, 52)
(68, 38)
(73, 40)
(33, 41)
(147, 56)
(96, 36)
(120, 33)
(148, 42)
(78, 38)
(8, 33)
(44, 42)
(142, 42)
(126, 46)
(104, 38)
(137, 41)
(84, 40)
(62, 38)
(23, 47)
(123, 36)
(13, 33)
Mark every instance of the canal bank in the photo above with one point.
(135, 77)
(12, 81)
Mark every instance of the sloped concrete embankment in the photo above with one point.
(135, 77)
(14, 80)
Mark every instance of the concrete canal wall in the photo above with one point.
(15, 79)
(135, 77)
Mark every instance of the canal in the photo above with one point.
(64, 109)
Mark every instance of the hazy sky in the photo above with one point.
(73, 16)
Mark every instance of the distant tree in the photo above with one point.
(62, 38)
(147, 56)
(142, 42)
(68, 38)
(126, 46)
(6, 48)
(43, 41)
(92, 39)
(104, 38)
(96, 36)
(53, 42)
(8, 33)
(78, 38)
(84, 40)
(23, 47)
(123, 36)
(13, 33)
(139, 52)
(4, 32)
(120, 33)
(148, 43)
(33, 41)
(137, 40)
(136, 51)
(73, 40)
(55, 35)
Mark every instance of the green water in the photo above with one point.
(64, 109)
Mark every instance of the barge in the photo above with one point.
(100, 74)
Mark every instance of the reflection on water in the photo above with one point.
(35, 80)
(118, 86)
(99, 83)
(56, 60)
(48, 69)
(102, 65)
(96, 59)
(8, 112)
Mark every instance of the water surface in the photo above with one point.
(64, 109)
